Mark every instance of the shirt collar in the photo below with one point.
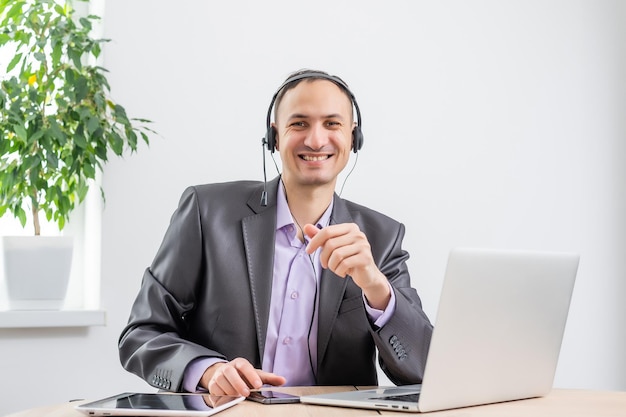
(283, 215)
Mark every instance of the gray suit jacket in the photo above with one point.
(207, 294)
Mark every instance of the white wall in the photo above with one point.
(486, 123)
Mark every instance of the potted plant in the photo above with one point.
(58, 124)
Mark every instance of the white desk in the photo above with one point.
(559, 403)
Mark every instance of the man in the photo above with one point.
(285, 282)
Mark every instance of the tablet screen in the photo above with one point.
(159, 404)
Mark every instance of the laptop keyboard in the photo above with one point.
(410, 398)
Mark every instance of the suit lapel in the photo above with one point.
(332, 288)
(258, 231)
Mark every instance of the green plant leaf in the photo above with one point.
(85, 22)
(80, 87)
(92, 124)
(96, 50)
(20, 132)
(120, 114)
(57, 51)
(21, 215)
(82, 189)
(79, 138)
(15, 10)
(36, 136)
(13, 62)
(52, 159)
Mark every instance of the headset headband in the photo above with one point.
(314, 75)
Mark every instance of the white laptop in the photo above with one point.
(497, 335)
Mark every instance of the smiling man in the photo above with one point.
(301, 288)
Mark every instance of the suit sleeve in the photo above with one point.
(404, 340)
(153, 345)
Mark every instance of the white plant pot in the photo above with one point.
(37, 271)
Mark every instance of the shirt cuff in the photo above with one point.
(381, 317)
(195, 370)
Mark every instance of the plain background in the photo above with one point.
(486, 123)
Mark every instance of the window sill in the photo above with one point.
(54, 318)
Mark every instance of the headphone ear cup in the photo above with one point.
(357, 139)
(270, 139)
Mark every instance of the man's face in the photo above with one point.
(314, 133)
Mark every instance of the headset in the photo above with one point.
(269, 140)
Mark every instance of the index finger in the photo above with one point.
(248, 374)
(323, 235)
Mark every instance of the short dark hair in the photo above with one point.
(311, 76)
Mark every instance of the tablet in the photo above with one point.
(159, 404)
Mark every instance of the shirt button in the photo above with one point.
(294, 295)
(287, 340)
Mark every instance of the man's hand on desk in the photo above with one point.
(237, 377)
